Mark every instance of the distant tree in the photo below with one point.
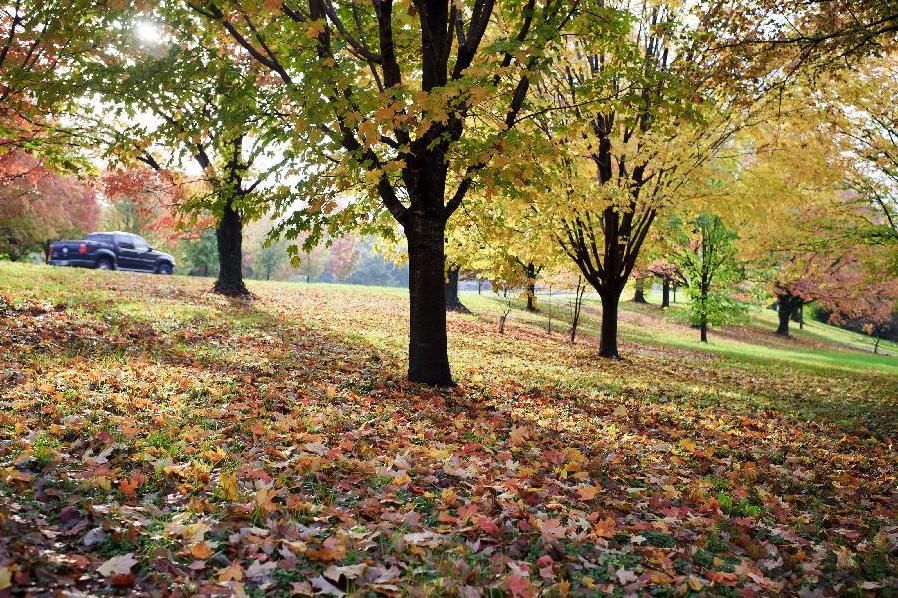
(42, 207)
(136, 199)
(310, 263)
(705, 252)
(200, 253)
(270, 257)
(343, 259)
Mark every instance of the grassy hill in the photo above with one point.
(155, 437)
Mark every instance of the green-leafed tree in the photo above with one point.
(705, 253)
(186, 101)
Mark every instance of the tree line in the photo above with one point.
(715, 143)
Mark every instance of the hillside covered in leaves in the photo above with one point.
(157, 439)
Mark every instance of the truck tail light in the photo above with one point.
(82, 249)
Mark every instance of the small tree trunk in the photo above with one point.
(46, 246)
(428, 359)
(229, 235)
(785, 307)
(639, 293)
(608, 341)
(453, 303)
(665, 293)
(479, 285)
(577, 307)
(876, 346)
(675, 286)
(703, 326)
(801, 317)
(531, 287)
(308, 278)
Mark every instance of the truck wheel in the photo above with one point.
(164, 269)
(104, 264)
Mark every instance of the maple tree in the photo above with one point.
(205, 107)
(42, 206)
(393, 94)
(38, 40)
(636, 121)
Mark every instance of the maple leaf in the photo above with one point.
(232, 572)
(228, 486)
(5, 577)
(519, 586)
(325, 587)
(118, 569)
(588, 492)
(201, 550)
(518, 435)
(264, 499)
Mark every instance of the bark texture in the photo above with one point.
(229, 236)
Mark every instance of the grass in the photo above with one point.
(279, 432)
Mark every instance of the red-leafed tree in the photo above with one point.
(143, 201)
(344, 257)
(40, 206)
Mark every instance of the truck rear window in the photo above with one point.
(100, 238)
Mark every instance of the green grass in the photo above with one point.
(853, 351)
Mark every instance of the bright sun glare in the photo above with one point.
(147, 32)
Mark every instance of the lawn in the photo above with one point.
(161, 440)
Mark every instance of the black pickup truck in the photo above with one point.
(111, 251)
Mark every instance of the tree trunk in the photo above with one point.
(229, 235)
(639, 293)
(665, 293)
(675, 286)
(785, 307)
(479, 285)
(428, 359)
(703, 326)
(608, 341)
(531, 287)
(453, 303)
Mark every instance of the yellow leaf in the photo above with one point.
(232, 572)
(228, 486)
(263, 500)
(688, 445)
(315, 28)
(844, 560)
(201, 551)
(5, 577)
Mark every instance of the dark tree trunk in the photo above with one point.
(703, 326)
(675, 286)
(46, 246)
(786, 306)
(229, 235)
(453, 303)
(479, 285)
(608, 341)
(665, 293)
(531, 287)
(428, 360)
(639, 293)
